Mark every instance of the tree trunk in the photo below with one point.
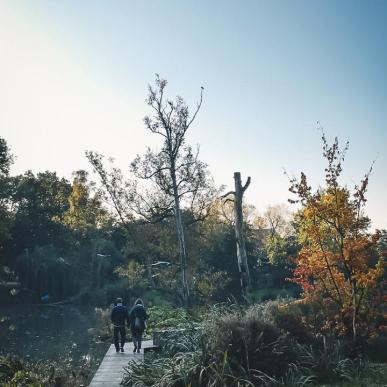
(181, 241)
(239, 234)
(354, 312)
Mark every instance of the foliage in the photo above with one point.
(6, 160)
(161, 318)
(85, 213)
(254, 346)
(44, 271)
(60, 239)
(338, 262)
(103, 329)
(16, 372)
(134, 272)
(250, 338)
(6, 157)
(209, 285)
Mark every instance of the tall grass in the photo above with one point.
(263, 345)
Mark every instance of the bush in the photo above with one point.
(251, 340)
(289, 318)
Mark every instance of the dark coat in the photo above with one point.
(119, 316)
(140, 312)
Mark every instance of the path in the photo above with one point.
(111, 370)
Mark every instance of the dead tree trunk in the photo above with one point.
(243, 266)
(183, 255)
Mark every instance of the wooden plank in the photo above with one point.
(111, 369)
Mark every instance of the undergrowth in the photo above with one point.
(262, 345)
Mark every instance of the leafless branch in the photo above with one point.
(244, 188)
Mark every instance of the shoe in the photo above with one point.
(138, 350)
(117, 350)
(122, 349)
(134, 350)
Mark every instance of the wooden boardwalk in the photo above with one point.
(111, 370)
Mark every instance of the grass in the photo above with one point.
(262, 345)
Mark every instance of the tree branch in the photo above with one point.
(244, 188)
(228, 193)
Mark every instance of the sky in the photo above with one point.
(74, 77)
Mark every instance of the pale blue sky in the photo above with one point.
(73, 76)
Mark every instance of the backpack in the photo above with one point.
(138, 323)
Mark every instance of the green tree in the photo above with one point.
(37, 202)
(85, 212)
(6, 160)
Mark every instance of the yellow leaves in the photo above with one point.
(338, 261)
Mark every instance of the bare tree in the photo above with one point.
(176, 170)
(239, 233)
(174, 177)
(278, 219)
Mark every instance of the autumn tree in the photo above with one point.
(338, 263)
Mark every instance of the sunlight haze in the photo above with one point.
(74, 77)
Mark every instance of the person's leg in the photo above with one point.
(123, 337)
(115, 336)
(139, 340)
(134, 339)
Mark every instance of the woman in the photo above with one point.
(137, 319)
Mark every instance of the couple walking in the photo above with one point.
(136, 320)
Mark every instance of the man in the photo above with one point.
(119, 316)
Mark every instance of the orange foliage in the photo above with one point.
(338, 263)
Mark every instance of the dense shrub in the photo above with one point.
(250, 340)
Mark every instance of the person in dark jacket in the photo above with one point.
(137, 319)
(119, 316)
